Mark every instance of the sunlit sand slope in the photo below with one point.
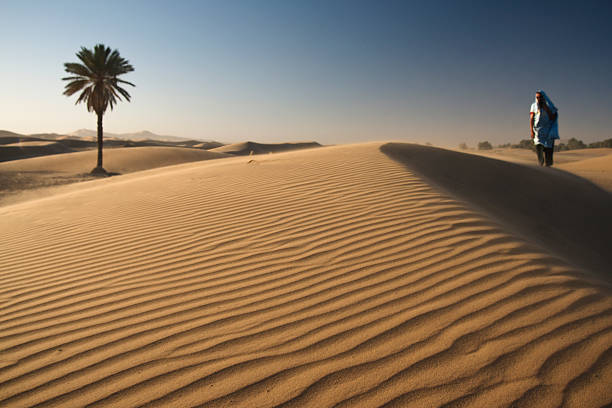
(246, 148)
(596, 169)
(117, 160)
(593, 164)
(310, 278)
(525, 156)
(51, 171)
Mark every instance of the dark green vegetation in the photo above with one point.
(484, 146)
(572, 144)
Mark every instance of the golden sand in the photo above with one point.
(334, 276)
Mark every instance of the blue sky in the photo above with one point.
(443, 72)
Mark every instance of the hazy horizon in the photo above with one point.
(335, 72)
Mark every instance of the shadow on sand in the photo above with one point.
(559, 211)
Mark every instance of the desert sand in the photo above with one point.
(596, 169)
(15, 146)
(19, 177)
(354, 275)
(247, 148)
(594, 165)
(21, 150)
(526, 156)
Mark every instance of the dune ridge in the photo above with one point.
(246, 148)
(332, 276)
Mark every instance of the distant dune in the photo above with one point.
(526, 156)
(593, 164)
(60, 169)
(337, 276)
(596, 169)
(118, 160)
(14, 146)
(246, 148)
(135, 136)
(30, 148)
(7, 137)
(28, 163)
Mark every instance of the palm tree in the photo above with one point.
(97, 78)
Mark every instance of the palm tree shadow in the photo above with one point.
(98, 174)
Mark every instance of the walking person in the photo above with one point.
(544, 127)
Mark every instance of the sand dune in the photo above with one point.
(7, 137)
(522, 156)
(14, 146)
(246, 148)
(525, 156)
(119, 160)
(560, 211)
(325, 277)
(31, 148)
(53, 170)
(32, 144)
(596, 169)
(593, 164)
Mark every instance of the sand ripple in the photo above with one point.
(325, 277)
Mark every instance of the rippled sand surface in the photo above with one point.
(335, 276)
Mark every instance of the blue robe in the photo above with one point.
(545, 129)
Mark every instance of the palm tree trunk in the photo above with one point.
(100, 140)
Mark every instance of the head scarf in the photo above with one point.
(551, 105)
(554, 128)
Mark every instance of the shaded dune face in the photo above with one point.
(333, 276)
(22, 150)
(566, 214)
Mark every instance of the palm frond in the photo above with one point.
(122, 91)
(77, 69)
(84, 97)
(72, 78)
(86, 56)
(75, 86)
(121, 81)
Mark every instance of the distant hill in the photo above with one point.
(6, 133)
(14, 146)
(138, 136)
